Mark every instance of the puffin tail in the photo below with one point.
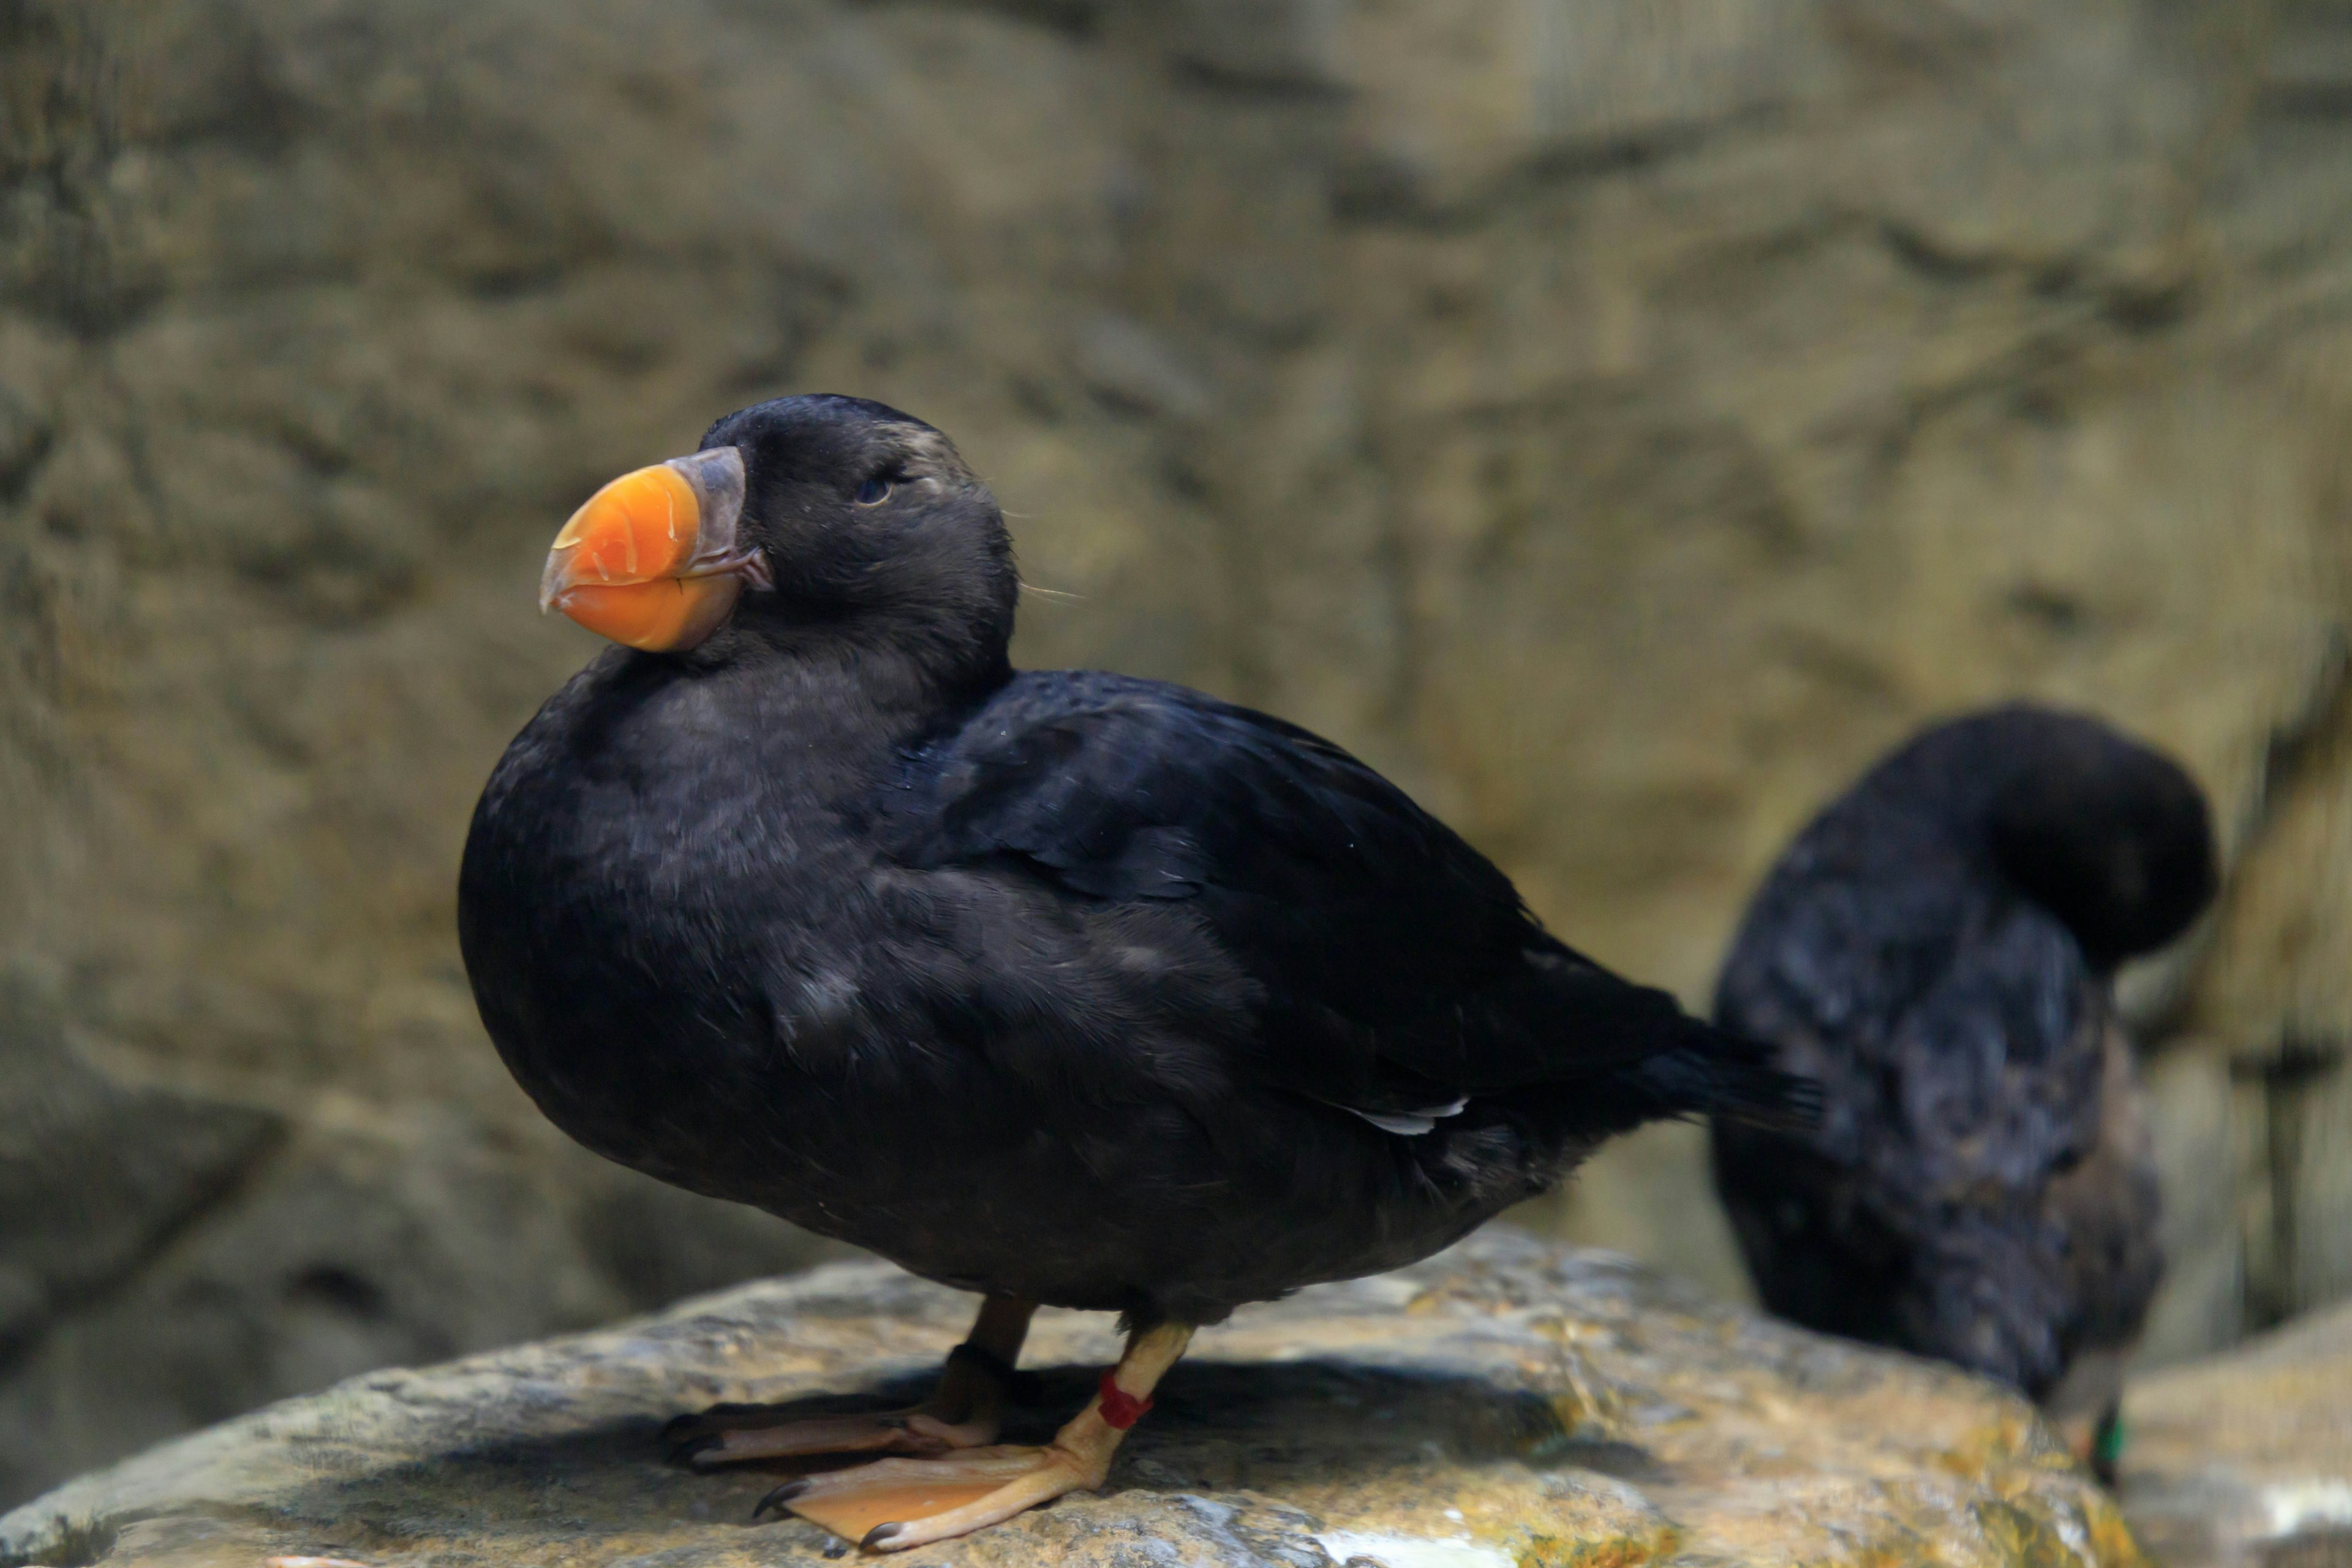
(1714, 1072)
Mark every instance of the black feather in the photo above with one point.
(1935, 950)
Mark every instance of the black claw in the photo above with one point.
(880, 1536)
(777, 1499)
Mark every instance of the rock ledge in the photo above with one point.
(1509, 1404)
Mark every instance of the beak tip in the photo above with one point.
(552, 578)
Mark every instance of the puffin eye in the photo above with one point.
(872, 492)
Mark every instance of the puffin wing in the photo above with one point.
(1999, 1098)
(1957, 1040)
(1998, 1064)
(1399, 971)
(1952, 1028)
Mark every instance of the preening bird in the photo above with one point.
(1937, 951)
(1061, 987)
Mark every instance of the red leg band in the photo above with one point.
(1119, 1408)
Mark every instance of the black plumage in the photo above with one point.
(1064, 987)
(1937, 950)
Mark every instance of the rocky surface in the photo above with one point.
(2244, 1460)
(1619, 423)
(1507, 1403)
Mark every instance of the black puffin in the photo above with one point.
(1937, 951)
(1061, 987)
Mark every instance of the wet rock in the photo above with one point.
(1508, 1403)
(2244, 1460)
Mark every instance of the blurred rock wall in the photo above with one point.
(1621, 423)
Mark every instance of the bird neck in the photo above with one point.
(850, 704)
(899, 652)
(2111, 838)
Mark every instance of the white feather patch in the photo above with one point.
(1409, 1123)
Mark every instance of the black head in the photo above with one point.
(2110, 836)
(871, 528)
(810, 524)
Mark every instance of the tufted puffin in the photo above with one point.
(1937, 951)
(1057, 986)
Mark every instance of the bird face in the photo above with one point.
(829, 511)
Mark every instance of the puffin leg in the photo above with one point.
(962, 1411)
(2102, 1451)
(2086, 1437)
(893, 1504)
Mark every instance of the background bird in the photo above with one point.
(1061, 987)
(1937, 951)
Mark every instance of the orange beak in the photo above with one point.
(652, 559)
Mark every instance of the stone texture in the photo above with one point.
(1510, 1402)
(1621, 424)
(2246, 1459)
(95, 1175)
(168, 1259)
